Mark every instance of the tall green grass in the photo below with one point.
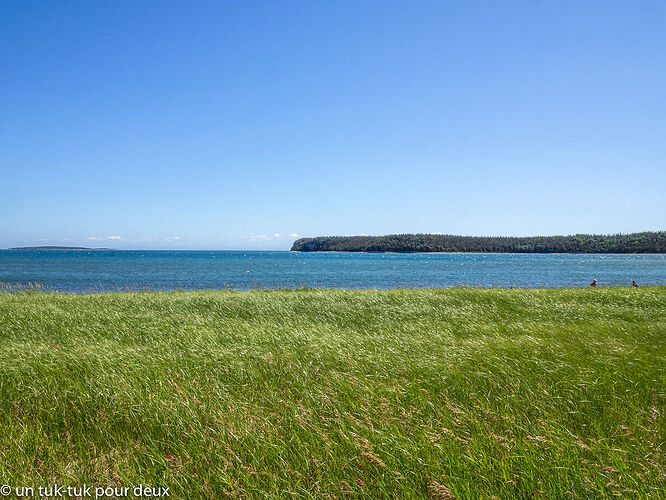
(463, 393)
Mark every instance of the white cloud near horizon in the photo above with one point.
(102, 238)
(266, 237)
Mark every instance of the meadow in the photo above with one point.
(459, 393)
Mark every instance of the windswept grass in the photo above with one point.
(462, 393)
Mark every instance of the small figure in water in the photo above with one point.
(634, 284)
(594, 283)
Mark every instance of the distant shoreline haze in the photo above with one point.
(634, 243)
(56, 247)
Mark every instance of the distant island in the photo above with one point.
(646, 242)
(51, 247)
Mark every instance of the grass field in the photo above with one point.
(463, 393)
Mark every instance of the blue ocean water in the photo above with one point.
(80, 271)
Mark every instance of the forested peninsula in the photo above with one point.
(646, 242)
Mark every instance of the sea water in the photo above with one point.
(82, 271)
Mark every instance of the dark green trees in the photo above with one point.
(648, 242)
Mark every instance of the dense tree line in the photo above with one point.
(648, 242)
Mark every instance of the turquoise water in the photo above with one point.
(105, 271)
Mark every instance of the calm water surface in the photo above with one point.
(106, 271)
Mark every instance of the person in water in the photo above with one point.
(634, 284)
(594, 283)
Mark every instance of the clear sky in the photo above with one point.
(240, 124)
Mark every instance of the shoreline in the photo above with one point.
(469, 253)
(36, 290)
(18, 249)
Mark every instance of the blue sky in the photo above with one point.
(227, 125)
